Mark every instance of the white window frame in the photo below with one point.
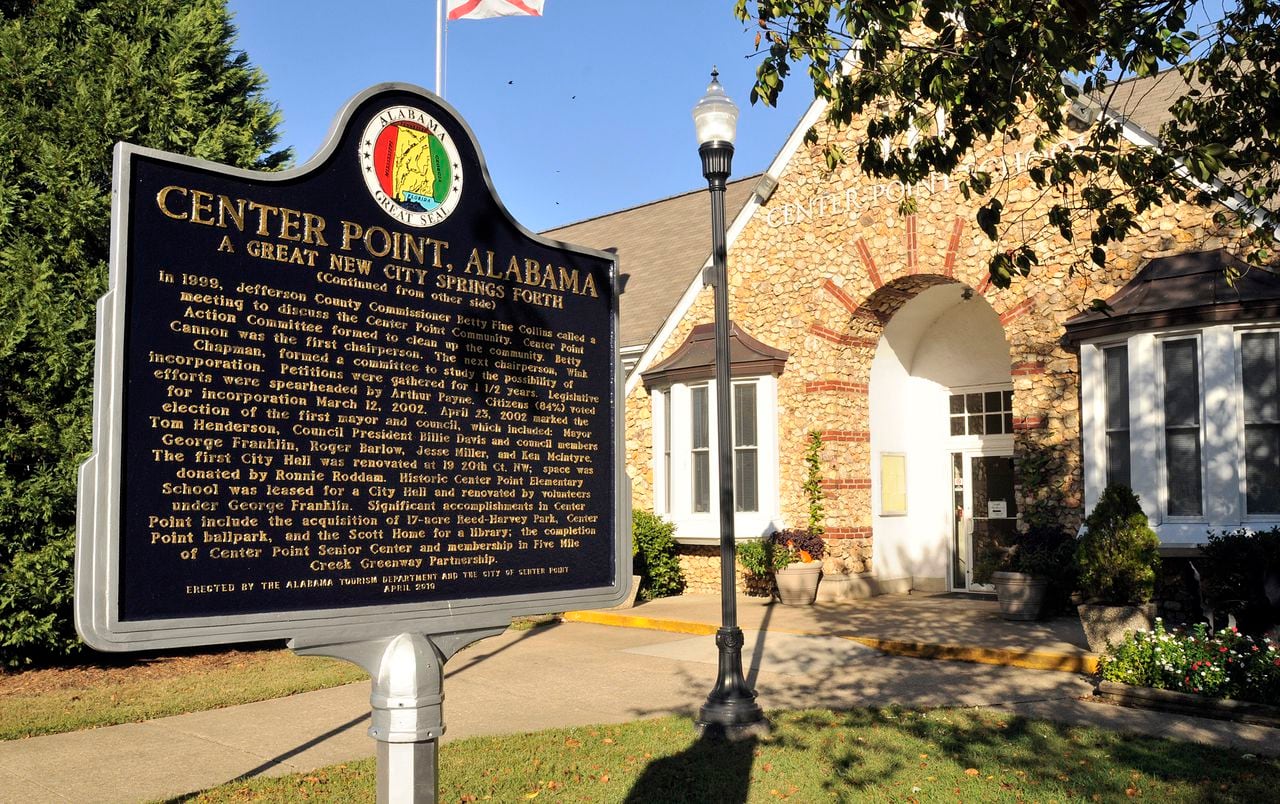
(1241, 445)
(673, 495)
(1093, 426)
(1222, 448)
(1162, 447)
(692, 451)
(1104, 454)
(960, 443)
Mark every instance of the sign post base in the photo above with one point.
(407, 701)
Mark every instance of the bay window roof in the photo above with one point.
(696, 358)
(1183, 290)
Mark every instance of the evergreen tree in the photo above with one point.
(75, 77)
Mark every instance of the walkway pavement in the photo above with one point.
(956, 627)
(578, 673)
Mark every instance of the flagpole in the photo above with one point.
(440, 23)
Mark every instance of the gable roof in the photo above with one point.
(660, 246)
(664, 244)
(1145, 102)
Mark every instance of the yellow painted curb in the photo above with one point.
(1029, 659)
(631, 621)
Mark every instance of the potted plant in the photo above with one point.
(1118, 558)
(797, 579)
(1040, 559)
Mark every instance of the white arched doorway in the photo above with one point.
(941, 425)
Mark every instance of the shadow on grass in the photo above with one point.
(1001, 757)
(711, 771)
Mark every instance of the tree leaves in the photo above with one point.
(996, 72)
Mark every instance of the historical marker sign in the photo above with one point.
(351, 398)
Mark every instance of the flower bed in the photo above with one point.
(1227, 664)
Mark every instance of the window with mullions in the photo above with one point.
(982, 413)
(1260, 377)
(1183, 484)
(746, 445)
(700, 448)
(1115, 362)
(685, 441)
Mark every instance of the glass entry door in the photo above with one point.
(986, 517)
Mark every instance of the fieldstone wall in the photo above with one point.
(830, 258)
(701, 567)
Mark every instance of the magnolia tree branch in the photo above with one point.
(1006, 70)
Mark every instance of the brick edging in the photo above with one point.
(1185, 703)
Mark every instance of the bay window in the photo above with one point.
(1182, 438)
(1259, 370)
(686, 475)
(1180, 394)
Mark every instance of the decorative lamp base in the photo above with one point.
(731, 711)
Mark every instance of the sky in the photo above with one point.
(579, 113)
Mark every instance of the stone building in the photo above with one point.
(951, 412)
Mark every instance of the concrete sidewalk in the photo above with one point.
(964, 628)
(577, 674)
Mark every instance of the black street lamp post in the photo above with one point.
(731, 709)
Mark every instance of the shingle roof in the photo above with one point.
(661, 247)
(1145, 101)
(695, 359)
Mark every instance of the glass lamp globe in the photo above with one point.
(715, 117)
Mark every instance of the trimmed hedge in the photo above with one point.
(654, 548)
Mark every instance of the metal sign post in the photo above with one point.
(407, 698)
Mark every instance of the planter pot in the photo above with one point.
(839, 587)
(1021, 595)
(631, 596)
(798, 583)
(1106, 625)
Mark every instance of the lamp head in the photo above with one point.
(715, 117)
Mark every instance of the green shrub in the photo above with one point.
(1227, 664)
(1235, 573)
(762, 558)
(1119, 555)
(1047, 551)
(655, 556)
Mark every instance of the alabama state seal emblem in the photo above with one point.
(411, 166)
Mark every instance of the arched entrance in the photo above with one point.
(942, 443)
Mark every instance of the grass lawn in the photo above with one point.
(123, 689)
(818, 755)
(54, 700)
